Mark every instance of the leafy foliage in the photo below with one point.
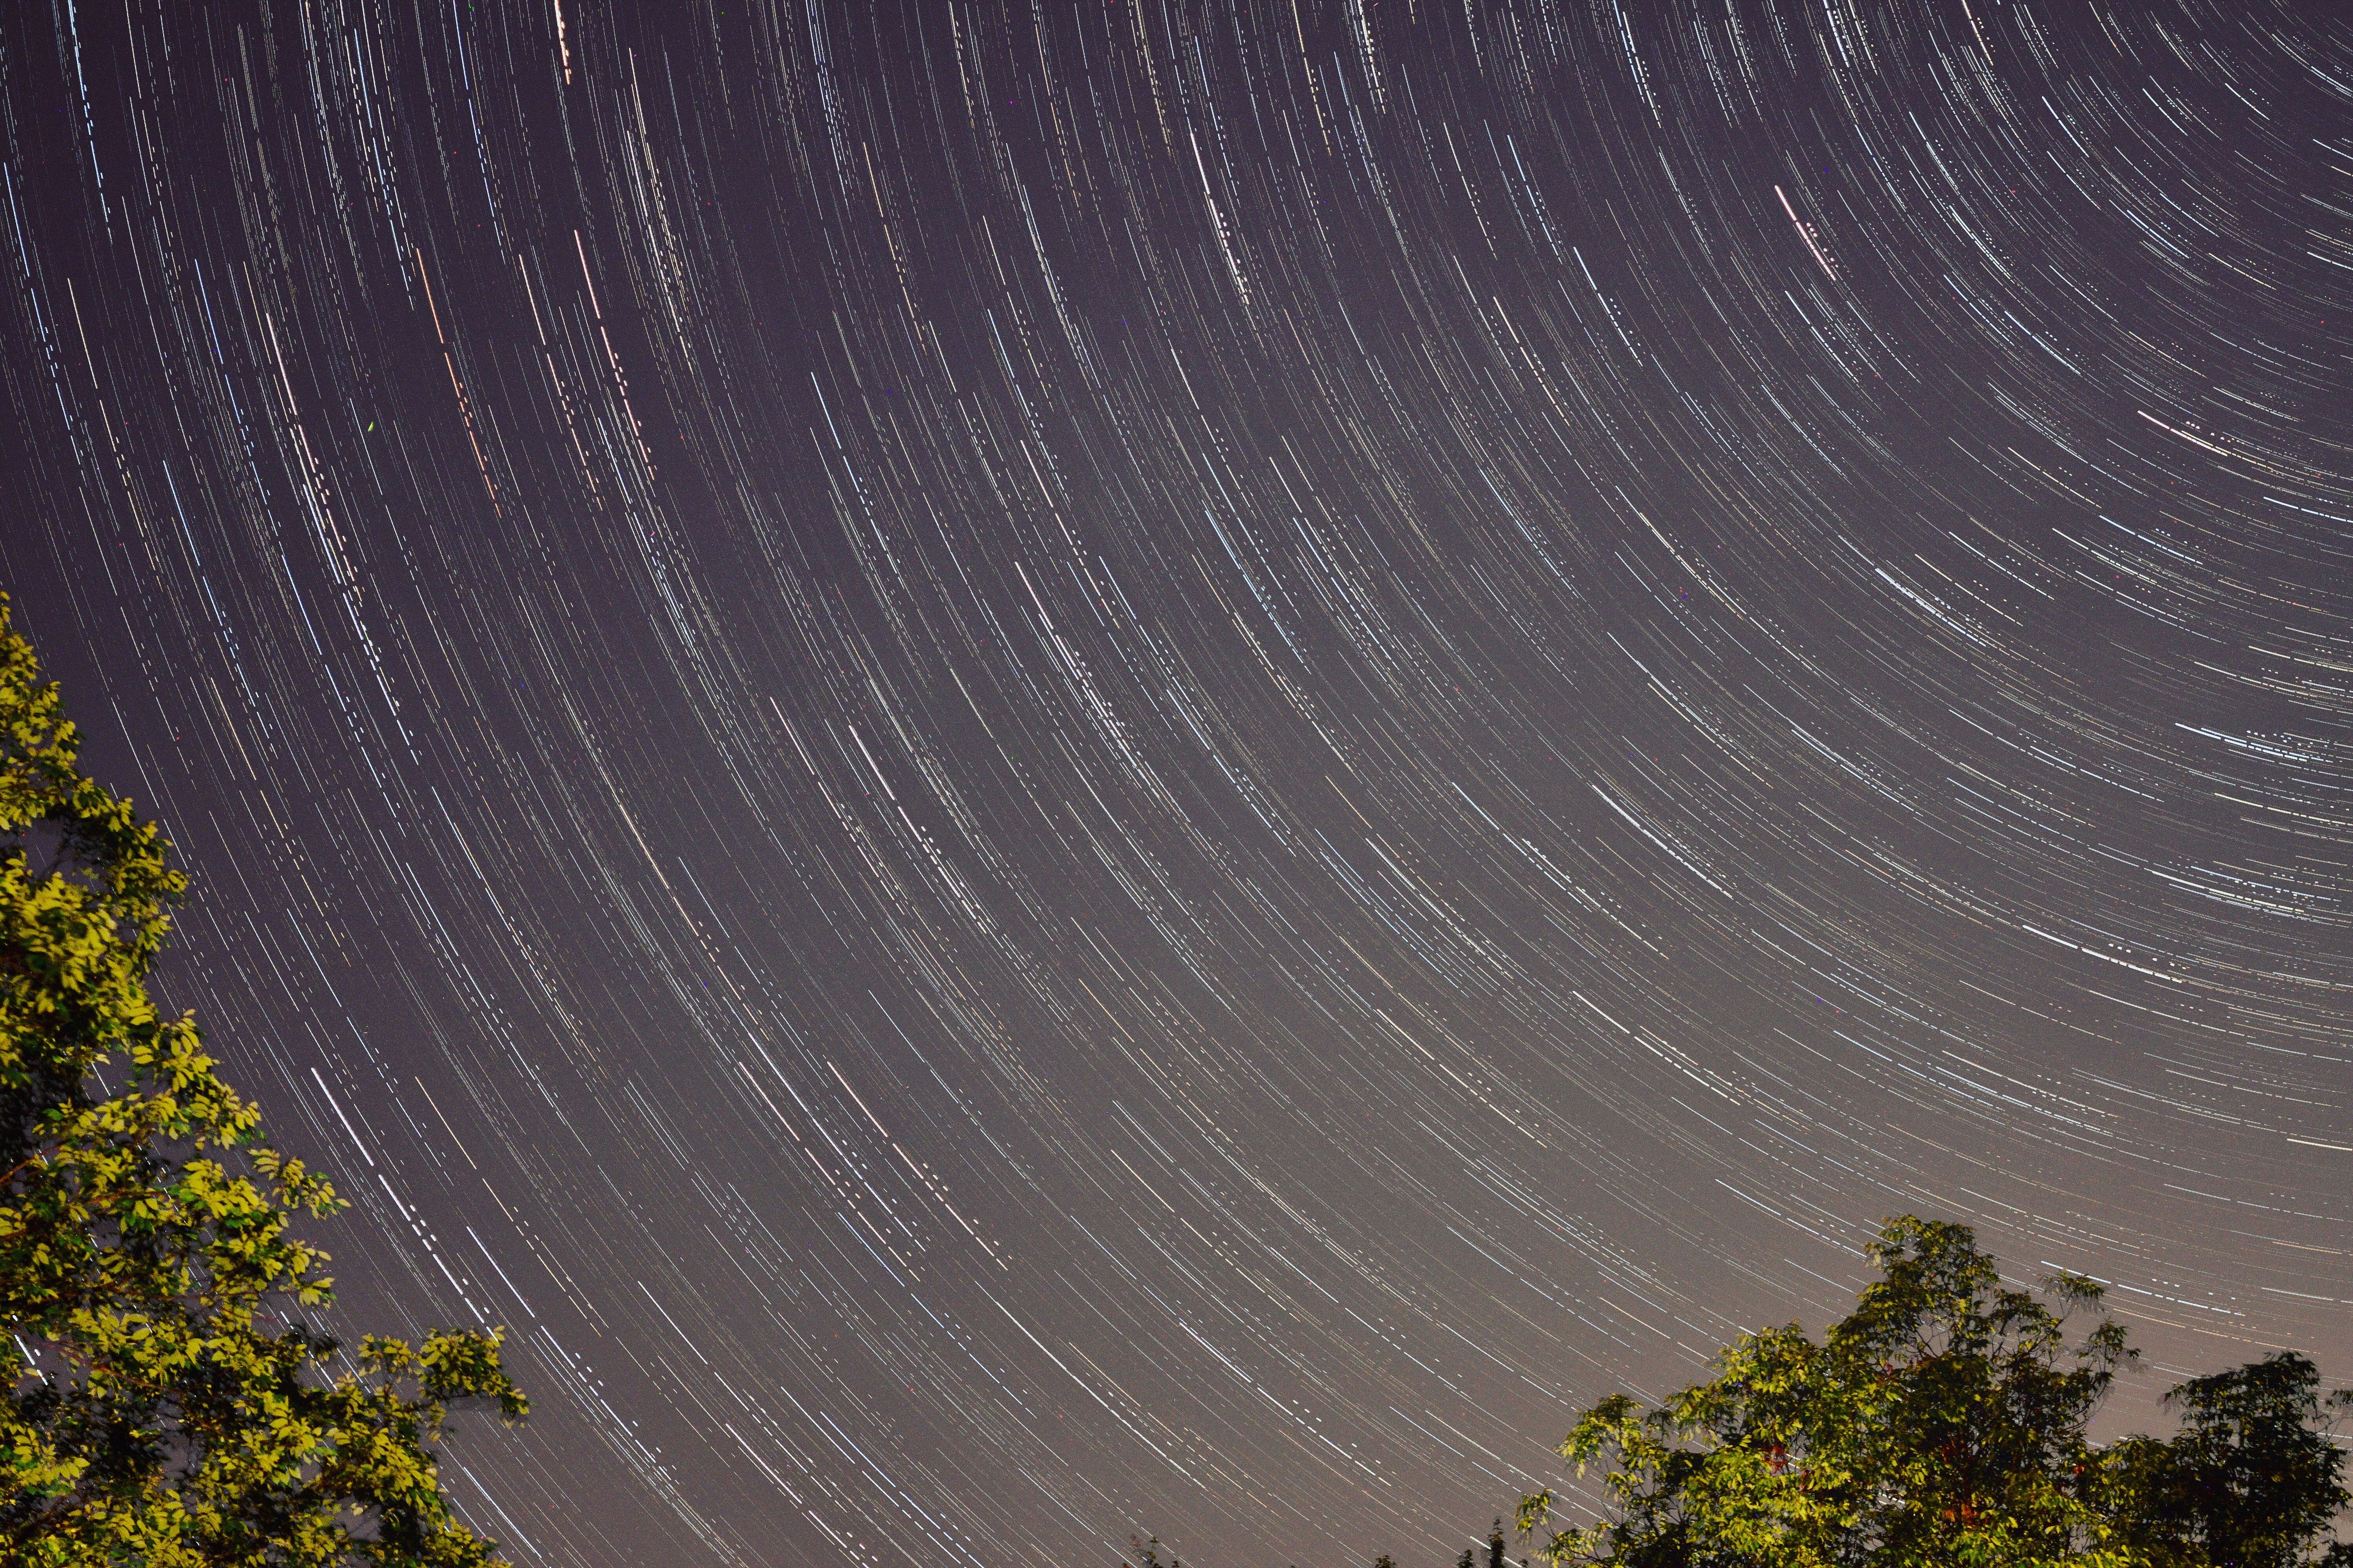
(1944, 1422)
(2251, 1481)
(161, 1408)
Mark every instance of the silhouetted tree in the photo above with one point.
(2250, 1481)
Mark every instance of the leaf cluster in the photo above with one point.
(2252, 1480)
(163, 1406)
(1944, 1422)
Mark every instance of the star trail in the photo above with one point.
(1159, 765)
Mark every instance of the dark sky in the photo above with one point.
(1132, 764)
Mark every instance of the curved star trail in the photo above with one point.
(1156, 765)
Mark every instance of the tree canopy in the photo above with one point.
(167, 1403)
(1944, 1422)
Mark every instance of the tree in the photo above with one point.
(2250, 1481)
(1944, 1422)
(165, 1406)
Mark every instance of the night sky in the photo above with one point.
(1152, 765)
